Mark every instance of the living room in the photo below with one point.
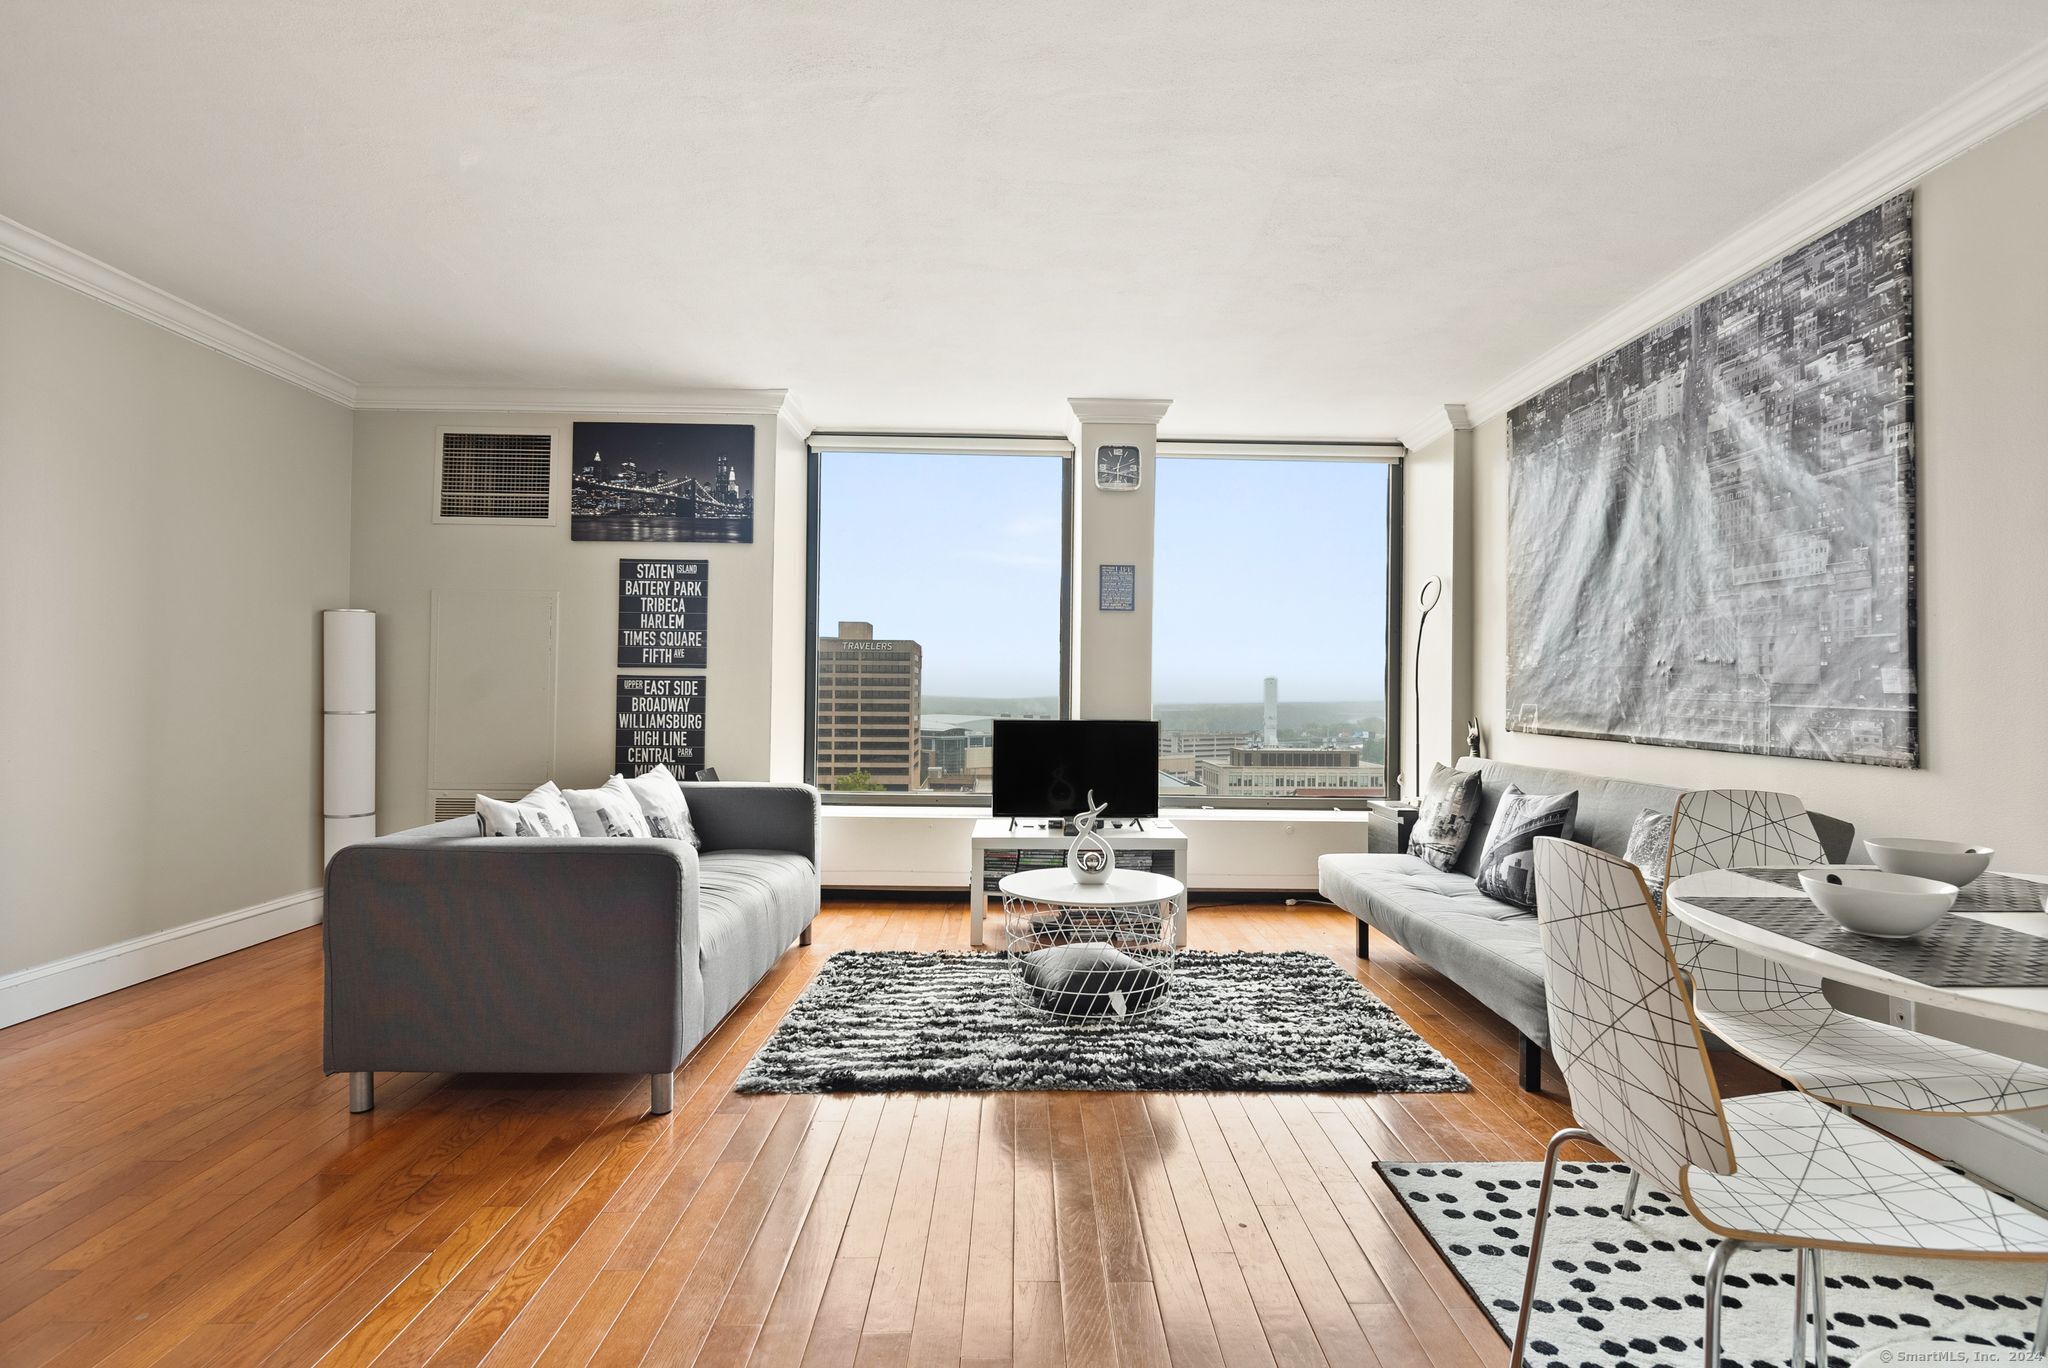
(1331, 685)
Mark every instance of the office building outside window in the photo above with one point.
(867, 698)
(937, 594)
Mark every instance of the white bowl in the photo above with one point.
(1948, 861)
(1875, 903)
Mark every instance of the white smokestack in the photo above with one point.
(1271, 737)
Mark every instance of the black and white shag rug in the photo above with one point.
(910, 1021)
(1616, 1293)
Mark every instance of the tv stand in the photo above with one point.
(1003, 845)
(1115, 826)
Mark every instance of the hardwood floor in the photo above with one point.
(180, 1185)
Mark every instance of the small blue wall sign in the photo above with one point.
(1116, 588)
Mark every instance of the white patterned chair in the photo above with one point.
(1779, 1171)
(1778, 1017)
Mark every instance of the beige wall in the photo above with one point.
(1982, 354)
(171, 523)
(401, 555)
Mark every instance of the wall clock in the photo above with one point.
(1116, 468)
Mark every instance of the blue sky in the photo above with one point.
(1261, 568)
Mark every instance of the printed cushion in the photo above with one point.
(1450, 800)
(1649, 850)
(1507, 867)
(662, 803)
(540, 813)
(1090, 980)
(610, 810)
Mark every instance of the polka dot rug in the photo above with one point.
(1616, 1293)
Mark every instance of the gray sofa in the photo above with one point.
(1489, 948)
(449, 951)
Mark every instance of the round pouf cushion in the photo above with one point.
(1091, 980)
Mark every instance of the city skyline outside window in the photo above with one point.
(1270, 569)
(938, 610)
(946, 567)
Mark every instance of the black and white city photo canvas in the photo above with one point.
(1711, 529)
(663, 482)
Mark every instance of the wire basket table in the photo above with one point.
(1102, 950)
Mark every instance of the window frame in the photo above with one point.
(817, 446)
(1389, 454)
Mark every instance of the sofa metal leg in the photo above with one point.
(661, 1093)
(1364, 940)
(1532, 1066)
(805, 938)
(362, 1091)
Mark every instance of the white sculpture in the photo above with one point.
(1090, 859)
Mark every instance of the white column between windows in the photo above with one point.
(1112, 651)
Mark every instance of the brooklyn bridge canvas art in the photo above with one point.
(663, 482)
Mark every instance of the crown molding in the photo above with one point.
(2002, 100)
(681, 403)
(38, 254)
(1438, 424)
(1141, 411)
(41, 255)
(791, 418)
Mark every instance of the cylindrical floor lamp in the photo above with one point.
(1432, 590)
(348, 638)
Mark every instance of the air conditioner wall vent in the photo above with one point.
(492, 476)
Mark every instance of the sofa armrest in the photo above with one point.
(463, 953)
(739, 816)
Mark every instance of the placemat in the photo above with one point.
(1957, 952)
(1985, 893)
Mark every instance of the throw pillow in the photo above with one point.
(1649, 850)
(1507, 867)
(1090, 980)
(1450, 800)
(540, 813)
(661, 801)
(610, 810)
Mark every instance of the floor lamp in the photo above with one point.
(1432, 590)
(348, 639)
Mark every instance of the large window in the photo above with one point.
(938, 585)
(1270, 650)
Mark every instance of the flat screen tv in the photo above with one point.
(1046, 769)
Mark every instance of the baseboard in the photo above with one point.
(62, 983)
(883, 880)
(2009, 1153)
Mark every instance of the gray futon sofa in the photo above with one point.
(450, 951)
(1489, 948)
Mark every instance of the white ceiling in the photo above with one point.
(1291, 219)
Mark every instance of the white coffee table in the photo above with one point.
(1144, 915)
(1132, 888)
(1167, 843)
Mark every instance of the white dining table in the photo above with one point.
(2015, 1006)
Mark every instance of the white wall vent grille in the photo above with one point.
(495, 476)
(447, 803)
